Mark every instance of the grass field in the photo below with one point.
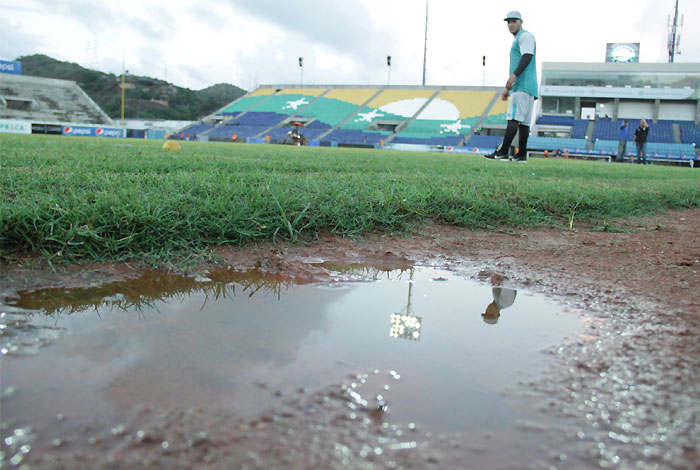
(106, 200)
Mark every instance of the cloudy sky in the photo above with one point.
(197, 44)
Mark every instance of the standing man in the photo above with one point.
(640, 138)
(521, 88)
(622, 145)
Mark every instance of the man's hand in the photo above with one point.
(504, 95)
(509, 83)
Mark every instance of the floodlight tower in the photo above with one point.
(388, 64)
(301, 67)
(674, 35)
(425, 46)
(123, 87)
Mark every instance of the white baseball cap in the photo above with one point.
(513, 15)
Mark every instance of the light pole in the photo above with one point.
(301, 68)
(425, 46)
(123, 87)
(388, 64)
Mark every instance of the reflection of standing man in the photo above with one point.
(622, 146)
(502, 298)
(521, 87)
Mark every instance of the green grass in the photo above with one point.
(105, 200)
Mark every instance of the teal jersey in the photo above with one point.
(524, 43)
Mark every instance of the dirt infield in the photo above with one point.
(630, 389)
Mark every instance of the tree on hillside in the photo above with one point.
(146, 97)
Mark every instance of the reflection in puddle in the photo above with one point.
(241, 342)
(502, 298)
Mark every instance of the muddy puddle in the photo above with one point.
(416, 350)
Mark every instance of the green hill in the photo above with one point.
(145, 97)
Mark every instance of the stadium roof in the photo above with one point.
(628, 67)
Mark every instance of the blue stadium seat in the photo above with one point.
(554, 143)
(263, 119)
(661, 148)
(579, 129)
(690, 132)
(484, 141)
(196, 129)
(553, 120)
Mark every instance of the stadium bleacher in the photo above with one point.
(690, 132)
(579, 129)
(246, 102)
(497, 114)
(447, 119)
(360, 116)
(368, 116)
(484, 141)
(335, 106)
(660, 131)
(258, 118)
(556, 143)
(197, 129)
(555, 120)
(47, 100)
(661, 148)
(356, 136)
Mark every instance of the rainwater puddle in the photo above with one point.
(443, 352)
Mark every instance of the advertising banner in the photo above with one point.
(52, 129)
(10, 126)
(84, 131)
(13, 67)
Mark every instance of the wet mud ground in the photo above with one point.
(625, 394)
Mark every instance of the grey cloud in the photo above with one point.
(345, 26)
(16, 43)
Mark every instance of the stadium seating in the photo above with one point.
(390, 105)
(555, 120)
(432, 141)
(48, 100)
(447, 118)
(255, 118)
(580, 127)
(606, 129)
(246, 102)
(690, 132)
(660, 131)
(431, 117)
(197, 129)
(661, 148)
(484, 141)
(356, 136)
(337, 105)
(554, 143)
(227, 132)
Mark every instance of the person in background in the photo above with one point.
(640, 138)
(622, 146)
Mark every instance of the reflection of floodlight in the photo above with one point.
(405, 326)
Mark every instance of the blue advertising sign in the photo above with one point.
(84, 131)
(7, 66)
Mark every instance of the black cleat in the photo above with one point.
(496, 156)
